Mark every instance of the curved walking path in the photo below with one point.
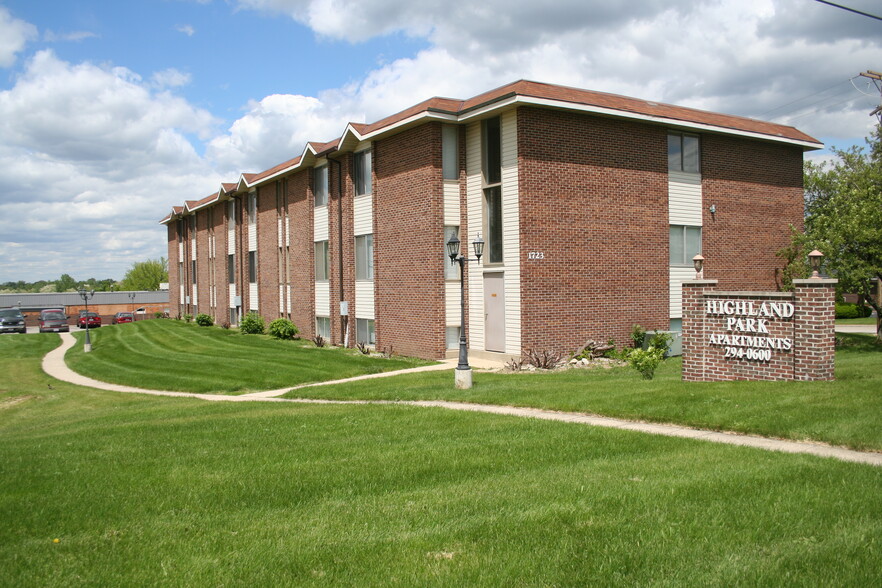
(54, 365)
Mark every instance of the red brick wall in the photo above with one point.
(408, 241)
(302, 266)
(340, 214)
(757, 190)
(222, 307)
(594, 200)
(201, 303)
(174, 283)
(267, 253)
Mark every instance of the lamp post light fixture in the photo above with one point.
(86, 295)
(698, 264)
(815, 260)
(463, 372)
(131, 296)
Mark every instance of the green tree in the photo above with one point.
(65, 283)
(146, 275)
(843, 205)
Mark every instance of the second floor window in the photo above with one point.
(683, 153)
(320, 185)
(321, 260)
(685, 244)
(364, 257)
(362, 173)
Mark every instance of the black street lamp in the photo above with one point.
(463, 373)
(86, 295)
(131, 296)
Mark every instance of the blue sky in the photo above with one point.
(112, 112)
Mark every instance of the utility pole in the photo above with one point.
(877, 81)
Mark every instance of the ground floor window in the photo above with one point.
(685, 244)
(365, 332)
(452, 337)
(323, 326)
(234, 316)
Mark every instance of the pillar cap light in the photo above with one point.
(698, 264)
(815, 260)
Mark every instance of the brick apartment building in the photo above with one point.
(591, 205)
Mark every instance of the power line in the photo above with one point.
(850, 9)
(807, 97)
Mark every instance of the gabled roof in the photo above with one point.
(524, 92)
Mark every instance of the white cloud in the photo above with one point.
(52, 36)
(736, 56)
(92, 158)
(170, 78)
(186, 29)
(14, 35)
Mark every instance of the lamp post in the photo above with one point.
(86, 295)
(131, 296)
(815, 260)
(463, 372)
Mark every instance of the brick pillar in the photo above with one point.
(813, 329)
(694, 345)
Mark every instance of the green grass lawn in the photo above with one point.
(174, 355)
(847, 411)
(142, 490)
(869, 320)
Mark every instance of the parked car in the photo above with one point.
(53, 320)
(93, 318)
(12, 321)
(122, 317)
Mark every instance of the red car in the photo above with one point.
(93, 318)
(122, 317)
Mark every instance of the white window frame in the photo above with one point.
(322, 261)
(321, 185)
(679, 239)
(680, 146)
(361, 176)
(365, 331)
(364, 257)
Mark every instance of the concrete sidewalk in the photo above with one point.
(54, 365)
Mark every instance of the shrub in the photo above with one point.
(363, 347)
(645, 361)
(319, 341)
(638, 336)
(661, 341)
(204, 320)
(157, 314)
(845, 310)
(252, 324)
(187, 317)
(282, 328)
(543, 360)
(225, 325)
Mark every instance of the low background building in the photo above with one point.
(144, 304)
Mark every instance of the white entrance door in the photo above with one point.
(494, 312)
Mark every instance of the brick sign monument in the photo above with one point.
(758, 335)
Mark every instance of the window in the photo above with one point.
(320, 185)
(231, 214)
(492, 151)
(364, 257)
(365, 332)
(234, 316)
(180, 225)
(451, 270)
(492, 168)
(231, 268)
(493, 220)
(181, 273)
(323, 326)
(683, 153)
(252, 208)
(450, 152)
(321, 260)
(252, 267)
(193, 270)
(452, 337)
(685, 244)
(362, 173)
